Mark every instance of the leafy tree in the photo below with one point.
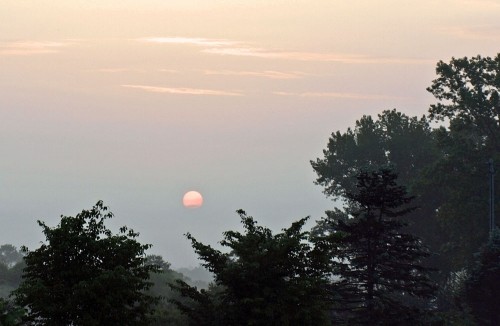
(203, 307)
(165, 312)
(86, 275)
(461, 176)
(395, 139)
(467, 90)
(482, 288)
(265, 279)
(10, 278)
(445, 168)
(408, 145)
(10, 314)
(378, 266)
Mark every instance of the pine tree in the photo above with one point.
(376, 263)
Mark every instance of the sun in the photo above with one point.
(192, 199)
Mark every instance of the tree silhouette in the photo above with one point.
(380, 277)
(85, 275)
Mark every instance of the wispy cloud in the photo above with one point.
(182, 90)
(234, 48)
(265, 74)
(198, 41)
(353, 96)
(119, 70)
(311, 56)
(30, 47)
(169, 71)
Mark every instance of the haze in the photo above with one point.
(137, 102)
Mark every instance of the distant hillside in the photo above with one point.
(197, 274)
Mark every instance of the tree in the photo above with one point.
(467, 90)
(165, 312)
(395, 139)
(265, 279)
(10, 278)
(408, 145)
(86, 275)
(378, 266)
(10, 314)
(482, 287)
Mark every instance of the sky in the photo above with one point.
(137, 102)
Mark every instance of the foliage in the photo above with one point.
(378, 266)
(408, 146)
(461, 175)
(10, 314)
(394, 139)
(265, 279)
(203, 307)
(164, 312)
(11, 267)
(467, 90)
(482, 288)
(445, 167)
(10, 278)
(86, 275)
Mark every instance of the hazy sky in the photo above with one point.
(137, 102)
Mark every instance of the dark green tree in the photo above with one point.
(86, 275)
(395, 139)
(408, 145)
(165, 312)
(467, 90)
(379, 271)
(265, 279)
(10, 314)
(482, 287)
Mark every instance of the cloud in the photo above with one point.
(311, 56)
(188, 41)
(233, 48)
(353, 96)
(30, 47)
(182, 90)
(170, 71)
(118, 70)
(266, 74)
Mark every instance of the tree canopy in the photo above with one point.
(265, 279)
(394, 139)
(408, 146)
(467, 90)
(86, 275)
(482, 287)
